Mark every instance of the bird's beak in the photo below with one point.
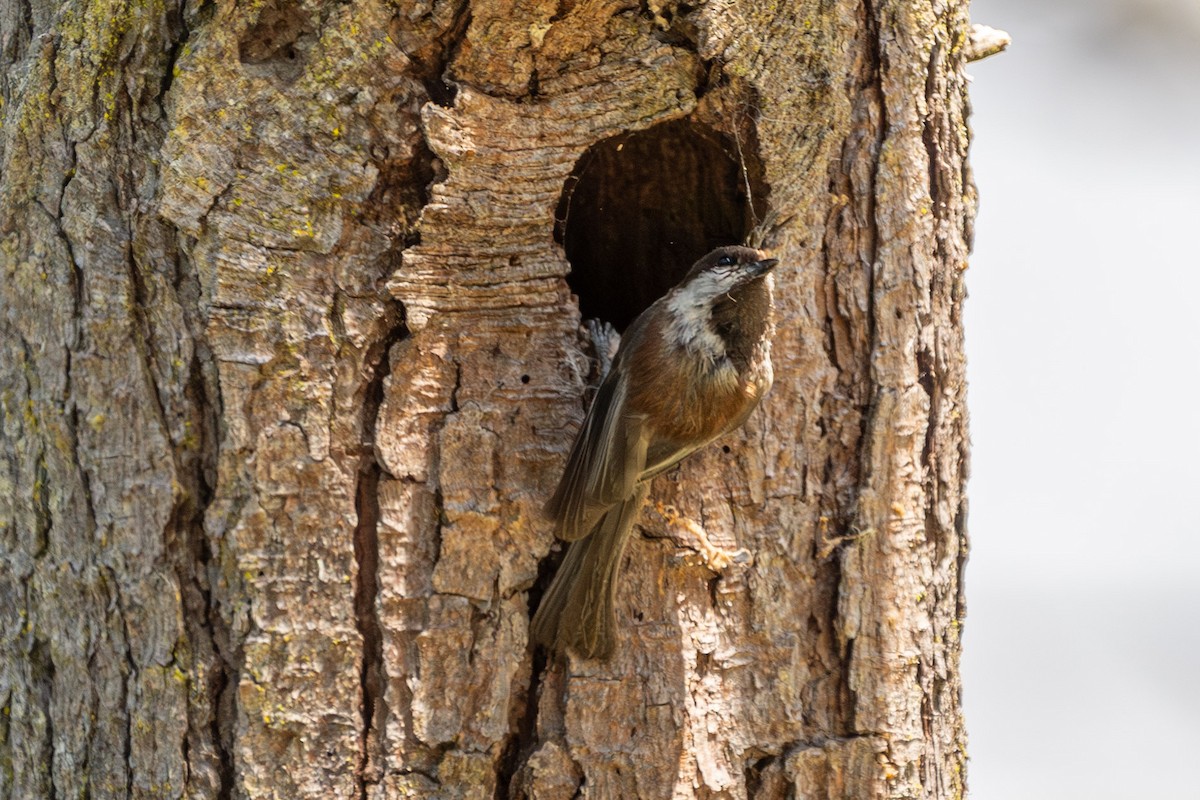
(764, 266)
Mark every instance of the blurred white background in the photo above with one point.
(1082, 642)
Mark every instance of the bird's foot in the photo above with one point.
(606, 340)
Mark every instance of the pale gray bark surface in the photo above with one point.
(288, 364)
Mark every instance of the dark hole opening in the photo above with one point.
(640, 208)
(276, 43)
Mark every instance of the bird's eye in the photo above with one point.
(726, 261)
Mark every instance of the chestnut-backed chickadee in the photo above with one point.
(691, 367)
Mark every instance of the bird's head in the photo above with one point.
(722, 305)
(725, 271)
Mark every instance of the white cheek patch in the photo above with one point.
(711, 284)
(691, 308)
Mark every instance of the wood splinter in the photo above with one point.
(984, 41)
(715, 558)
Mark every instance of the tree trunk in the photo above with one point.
(291, 355)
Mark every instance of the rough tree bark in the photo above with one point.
(289, 360)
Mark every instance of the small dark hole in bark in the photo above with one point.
(276, 44)
(724, 448)
(441, 91)
(524, 379)
(756, 771)
(640, 208)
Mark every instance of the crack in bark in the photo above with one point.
(372, 676)
(210, 623)
(874, 94)
(208, 633)
(215, 659)
(185, 533)
(41, 662)
(522, 738)
(858, 208)
(366, 554)
(76, 270)
(960, 529)
(872, 90)
(431, 47)
(176, 19)
(940, 189)
(929, 135)
(127, 683)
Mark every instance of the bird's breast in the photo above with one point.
(692, 398)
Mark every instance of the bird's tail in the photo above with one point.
(577, 610)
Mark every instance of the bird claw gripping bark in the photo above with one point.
(606, 340)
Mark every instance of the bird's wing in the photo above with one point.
(665, 453)
(605, 462)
